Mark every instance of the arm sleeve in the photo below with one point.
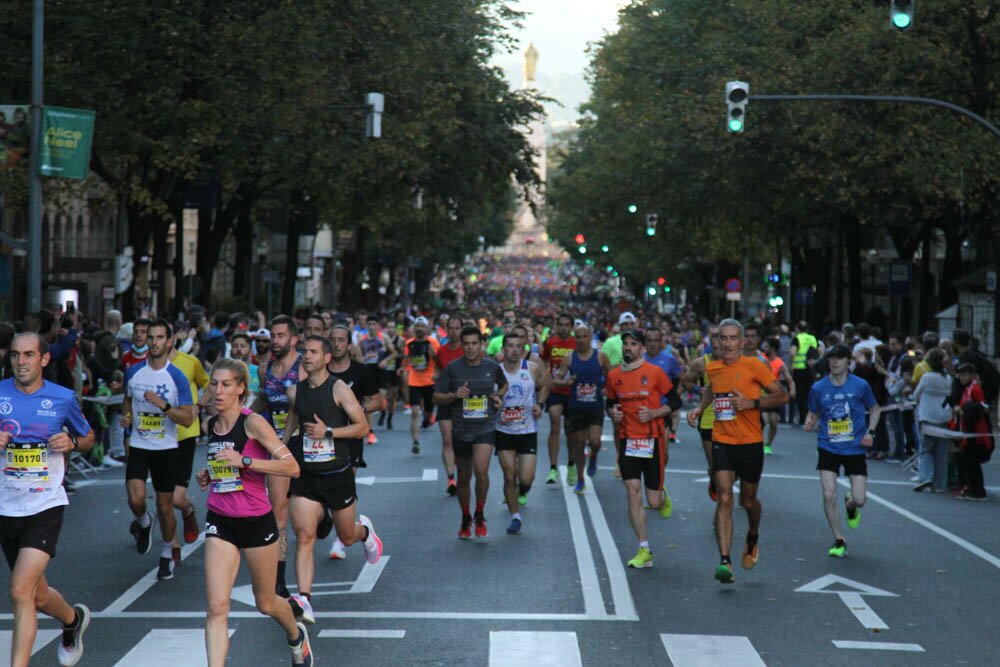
(183, 386)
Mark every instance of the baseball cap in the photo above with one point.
(627, 317)
(841, 351)
(635, 334)
(262, 333)
(421, 320)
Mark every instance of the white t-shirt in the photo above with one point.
(151, 428)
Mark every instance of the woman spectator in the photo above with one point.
(931, 396)
(972, 416)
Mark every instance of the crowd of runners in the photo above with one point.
(287, 407)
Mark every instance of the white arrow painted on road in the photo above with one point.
(852, 598)
(429, 475)
(365, 582)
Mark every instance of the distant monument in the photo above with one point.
(529, 237)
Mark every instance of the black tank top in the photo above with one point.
(324, 455)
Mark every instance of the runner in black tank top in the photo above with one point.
(323, 495)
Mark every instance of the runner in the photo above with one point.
(658, 356)
(735, 384)
(636, 390)
(583, 370)
(419, 367)
(557, 346)
(446, 354)
(517, 430)
(697, 373)
(243, 448)
(330, 415)
(363, 382)
(39, 423)
(157, 401)
(392, 379)
(476, 386)
(772, 347)
(375, 348)
(280, 373)
(837, 405)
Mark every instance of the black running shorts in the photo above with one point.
(159, 464)
(422, 396)
(853, 464)
(185, 461)
(245, 532)
(335, 492)
(579, 420)
(522, 443)
(747, 461)
(463, 448)
(649, 470)
(38, 531)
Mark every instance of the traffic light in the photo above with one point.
(579, 239)
(376, 107)
(651, 291)
(605, 248)
(582, 249)
(661, 281)
(651, 219)
(632, 208)
(666, 289)
(776, 301)
(901, 13)
(774, 278)
(737, 95)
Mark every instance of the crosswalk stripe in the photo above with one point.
(539, 649)
(163, 647)
(710, 650)
(42, 638)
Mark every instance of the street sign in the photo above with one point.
(804, 296)
(734, 296)
(900, 278)
(734, 285)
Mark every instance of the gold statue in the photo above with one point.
(530, 62)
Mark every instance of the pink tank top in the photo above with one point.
(236, 492)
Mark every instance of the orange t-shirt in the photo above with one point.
(633, 389)
(420, 363)
(747, 376)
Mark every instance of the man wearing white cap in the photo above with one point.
(261, 347)
(419, 366)
(613, 345)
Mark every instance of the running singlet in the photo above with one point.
(397, 343)
(841, 411)
(152, 429)
(516, 416)
(323, 455)
(372, 349)
(747, 376)
(553, 352)
(275, 390)
(645, 386)
(32, 476)
(233, 491)
(587, 391)
(421, 353)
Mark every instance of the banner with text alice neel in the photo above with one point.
(66, 138)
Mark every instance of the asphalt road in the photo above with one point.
(917, 588)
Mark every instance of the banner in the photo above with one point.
(15, 135)
(66, 139)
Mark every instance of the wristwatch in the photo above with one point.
(756, 403)
(329, 433)
(76, 442)
(247, 461)
(167, 406)
(871, 432)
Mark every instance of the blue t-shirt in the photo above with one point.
(32, 480)
(151, 428)
(841, 411)
(669, 365)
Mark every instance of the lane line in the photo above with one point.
(621, 595)
(368, 576)
(430, 475)
(710, 650)
(42, 639)
(548, 649)
(421, 615)
(163, 647)
(878, 646)
(934, 528)
(139, 588)
(362, 634)
(593, 599)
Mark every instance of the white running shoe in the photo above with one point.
(110, 462)
(71, 648)
(302, 609)
(337, 550)
(373, 545)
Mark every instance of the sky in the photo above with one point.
(560, 30)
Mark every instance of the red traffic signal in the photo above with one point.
(661, 281)
(579, 239)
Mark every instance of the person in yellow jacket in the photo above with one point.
(802, 343)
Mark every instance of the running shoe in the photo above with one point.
(553, 476)
(481, 526)
(749, 555)
(767, 450)
(667, 508)
(838, 550)
(571, 475)
(580, 487)
(141, 535)
(415, 449)
(452, 487)
(325, 524)
(592, 465)
(515, 527)
(425, 423)
(372, 439)
(643, 558)
(302, 655)
(302, 609)
(465, 531)
(373, 545)
(973, 497)
(712, 493)
(724, 573)
(71, 648)
(522, 499)
(166, 570)
(337, 550)
(381, 418)
(853, 518)
(191, 527)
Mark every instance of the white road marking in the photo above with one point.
(593, 600)
(934, 528)
(427, 476)
(863, 611)
(551, 649)
(621, 595)
(368, 577)
(168, 648)
(852, 598)
(362, 634)
(878, 646)
(365, 582)
(430, 475)
(42, 638)
(422, 615)
(139, 588)
(710, 651)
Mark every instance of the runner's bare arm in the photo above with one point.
(282, 462)
(776, 395)
(562, 377)
(292, 420)
(543, 383)
(690, 377)
(873, 418)
(63, 442)
(344, 397)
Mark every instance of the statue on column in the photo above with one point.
(530, 62)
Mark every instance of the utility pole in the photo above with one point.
(34, 300)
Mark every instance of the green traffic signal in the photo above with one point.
(583, 250)
(632, 208)
(901, 13)
(735, 125)
(605, 248)
(901, 20)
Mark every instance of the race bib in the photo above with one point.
(320, 450)
(586, 393)
(28, 461)
(153, 424)
(474, 407)
(725, 411)
(840, 430)
(513, 416)
(225, 477)
(419, 362)
(280, 418)
(640, 448)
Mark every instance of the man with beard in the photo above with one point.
(556, 347)
(445, 355)
(419, 366)
(157, 401)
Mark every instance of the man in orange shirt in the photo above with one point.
(735, 384)
(633, 392)
(419, 366)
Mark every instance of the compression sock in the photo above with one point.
(144, 520)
